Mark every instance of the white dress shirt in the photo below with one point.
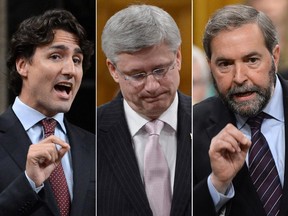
(167, 140)
(29, 119)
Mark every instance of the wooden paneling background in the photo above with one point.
(180, 10)
(202, 10)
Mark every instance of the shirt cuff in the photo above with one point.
(33, 185)
(220, 199)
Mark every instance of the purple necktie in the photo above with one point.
(156, 172)
(57, 178)
(262, 168)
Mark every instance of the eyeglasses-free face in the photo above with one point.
(55, 74)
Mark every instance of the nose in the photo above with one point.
(69, 68)
(240, 74)
(151, 83)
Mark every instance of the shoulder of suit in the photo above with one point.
(210, 105)
(185, 101)
(8, 119)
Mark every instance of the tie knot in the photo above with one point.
(256, 121)
(49, 125)
(154, 127)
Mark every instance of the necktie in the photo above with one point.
(156, 172)
(262, 168)
(57, 178)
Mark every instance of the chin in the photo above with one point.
(62, 108)
(155, 113)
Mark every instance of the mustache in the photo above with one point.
(243, 89)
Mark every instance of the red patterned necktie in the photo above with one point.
(262, 168)
(156, 172)
(57, 178)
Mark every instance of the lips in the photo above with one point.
(63, 87)
(243, 94)
(153, 98)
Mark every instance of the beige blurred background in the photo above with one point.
(202, 10)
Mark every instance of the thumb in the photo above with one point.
(62, 151)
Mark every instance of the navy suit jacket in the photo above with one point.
(209, 118)
(16, 194)
(120, 190)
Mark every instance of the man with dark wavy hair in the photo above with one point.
(39, 148)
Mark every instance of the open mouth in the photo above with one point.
(243, 94)
(63, 87)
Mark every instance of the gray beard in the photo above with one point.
(250, 108)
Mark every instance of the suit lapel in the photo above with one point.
(220, 118)
(14, 139)
(116, 141)
(82, 159)
(182, 184)
(284, 206)
(242, 182)
(246, 192)
(16, 142)
(246, 188)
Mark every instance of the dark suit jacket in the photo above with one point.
(16, 194)
(209, 117)
(120, 190)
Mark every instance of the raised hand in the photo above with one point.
(43, 157)
(227, 154)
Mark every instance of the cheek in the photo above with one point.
(172, 81)
(123, 86)
(176, 79)
(78, 77)
(261, 81)
(223, 82)
(127, 89)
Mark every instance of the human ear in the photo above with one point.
(22, 66)
(276, 55)
(179, 58)
(112, 70)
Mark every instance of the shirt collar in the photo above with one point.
(274, 108)
(136, 121)
(29, 116)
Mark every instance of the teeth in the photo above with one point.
(64, 87)
(69, 85)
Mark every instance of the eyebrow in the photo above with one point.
(158, 66)
(63, 47)
(254, 53)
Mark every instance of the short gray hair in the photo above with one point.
(137, 27)
(234, 16)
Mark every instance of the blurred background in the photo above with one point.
(12, 12)
(180, 10)
(202, 10)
